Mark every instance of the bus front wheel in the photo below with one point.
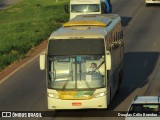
(120, 81)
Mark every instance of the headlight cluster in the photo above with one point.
(101, 94)
(53, 95)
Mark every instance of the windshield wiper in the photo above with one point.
(86, 83)
(98, 66)
(71, 74)
(65, 84)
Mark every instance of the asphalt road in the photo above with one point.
(25, 90)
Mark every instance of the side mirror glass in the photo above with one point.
(66, 7)
(42, 61)
(108, 60)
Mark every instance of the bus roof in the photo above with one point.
(86, 26)
(89, 20)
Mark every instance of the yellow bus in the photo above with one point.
(84, 62)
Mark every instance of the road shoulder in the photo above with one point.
(31, 55)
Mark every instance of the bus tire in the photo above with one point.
(119, 83)
(121, 76)
(109, 100)
(110, 96)
(117, 91)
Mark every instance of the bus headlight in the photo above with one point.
(53, 95)
(101, 94)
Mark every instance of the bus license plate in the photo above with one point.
(76, 104)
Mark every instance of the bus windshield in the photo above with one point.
(76, 72)
(84, 8)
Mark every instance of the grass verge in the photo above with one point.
(26, 24)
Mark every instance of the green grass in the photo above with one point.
(26, 24)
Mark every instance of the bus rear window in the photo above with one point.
(145, 108)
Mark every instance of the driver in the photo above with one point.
(93, 67)
(94, 72)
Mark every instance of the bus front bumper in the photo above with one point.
(95, 103)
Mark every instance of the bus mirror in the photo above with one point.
(66, 7)
(42, 59)
(108, 60)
